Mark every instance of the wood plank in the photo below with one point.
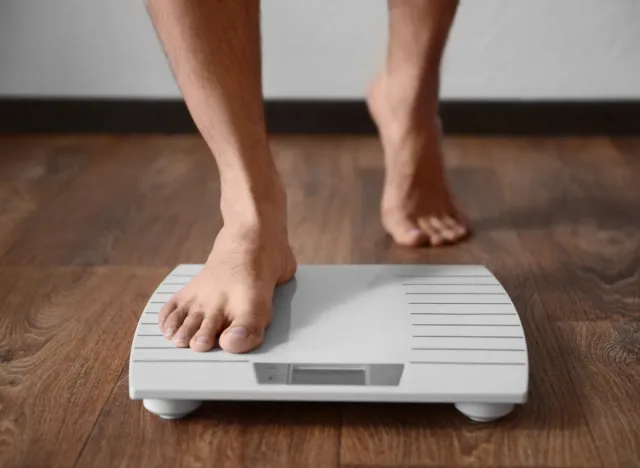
(604, 362)
(578, 229)
(32, 172)
(419, 465)
(586, 268)
(319, 176)
(221, 434)
(175, 212)
(154, 201)
(144, 201)
(80, 225)
(629, 151)
(65, 335)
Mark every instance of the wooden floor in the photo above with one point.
(90, 225)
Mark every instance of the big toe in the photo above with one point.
(241, 338)
(403, 230)
(246, 331)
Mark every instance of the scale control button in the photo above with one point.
(269, 373)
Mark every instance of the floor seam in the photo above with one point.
(100, 413)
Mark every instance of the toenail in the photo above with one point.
(179, 338)
(169, 332)
(240, 332)
(202, 340)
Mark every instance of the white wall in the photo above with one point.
(584, 49)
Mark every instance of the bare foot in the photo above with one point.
(417, 206)
(232, 295)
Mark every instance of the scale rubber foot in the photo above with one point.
(171, 409)
(484, 412)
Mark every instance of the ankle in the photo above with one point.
(403, 104)
(253, 199)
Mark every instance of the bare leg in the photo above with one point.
(417, 207)
(213, 48)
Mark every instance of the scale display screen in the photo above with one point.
(305, 375)
(281, 373)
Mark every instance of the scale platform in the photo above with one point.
(341, 333)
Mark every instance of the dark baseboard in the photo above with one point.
(459, 117)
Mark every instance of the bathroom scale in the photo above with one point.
(351, 333)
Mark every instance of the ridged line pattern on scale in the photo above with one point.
(462, 319)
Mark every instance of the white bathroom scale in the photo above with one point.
(351, 333)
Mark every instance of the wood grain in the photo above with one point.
(31, 173)
(579, 227)
(89, 226)
(587, 272)
(62, 346)
(321, 202)
(139, 201)
(604, 361)
(220, 434)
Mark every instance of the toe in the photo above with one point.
(246, 330)
(443, 230)
(456, 227)
(409, 236)
(435, 238)
(205, 337)
(166, 310)
(241, 337)
(404, 231)
(189, 328)
(174, 321)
